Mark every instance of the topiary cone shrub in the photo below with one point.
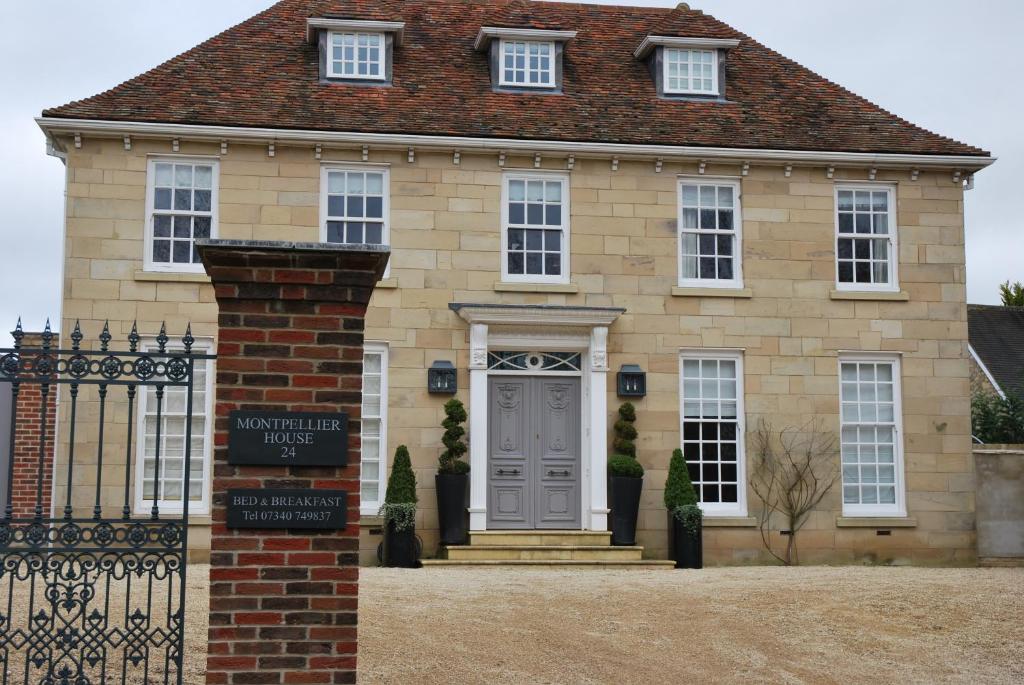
(450, 460)
(623, 461)
(680, 495)
(400, 498)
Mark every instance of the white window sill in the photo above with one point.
(172, 276)
(740, 293)
(387, 283)
(370, 520)
(730, 522)
(875, 522)
(505, 287)
(200, 519)
(869, 295)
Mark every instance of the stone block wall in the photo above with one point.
(1000, 474)
(445, 235)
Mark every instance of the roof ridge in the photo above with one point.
(261, 73)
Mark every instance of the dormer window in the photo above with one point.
(690, 71)
(524, 59)
(355, 51)
(528, 63)
(687, 67)
(356, 55)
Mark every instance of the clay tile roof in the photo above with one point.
(262, 73)
(997, 336)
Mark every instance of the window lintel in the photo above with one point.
(489, 33)
(314, 25)
(651, 42)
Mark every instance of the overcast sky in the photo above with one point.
(952, 67)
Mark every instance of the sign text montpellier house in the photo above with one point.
(288, 438)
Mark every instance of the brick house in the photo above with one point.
(566, 190)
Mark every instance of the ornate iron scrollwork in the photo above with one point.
(61, 578)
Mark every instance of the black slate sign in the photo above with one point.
(281, 438)
(287, 508)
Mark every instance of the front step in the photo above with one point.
(644, 564)
(543, 553)
(545, 548)
(505, 538)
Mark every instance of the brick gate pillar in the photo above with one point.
(30, 426)
(283, 603)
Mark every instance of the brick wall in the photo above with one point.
(29, 428)
(283, 604)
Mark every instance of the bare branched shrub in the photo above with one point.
(793, 469)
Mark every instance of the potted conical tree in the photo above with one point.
(685, 518)
(625, 478)
(399, 512)
(452, 480)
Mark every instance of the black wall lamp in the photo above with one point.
(441, 379)
(631, 381)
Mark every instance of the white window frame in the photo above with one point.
(893, 284)
(737, 267)
(325, 170)
(148, 263)
(512, 175)
(200, 507)
(551, 71)
(689, 91)
(722, 509)
(382, 61)
(899, 508)
(372, 508)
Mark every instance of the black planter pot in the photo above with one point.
(400, 548)
(685, 548)
(624, 502)
(452, 507)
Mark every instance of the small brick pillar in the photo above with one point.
(283, 604)
(28, 431)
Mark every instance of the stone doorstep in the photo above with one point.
(1001, 562)
(548, 548)
(539, 537)
(542, 553)
(643, 565)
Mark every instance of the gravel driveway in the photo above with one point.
(732, 625)
(720, 625)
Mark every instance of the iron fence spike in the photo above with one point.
(47, 335)
(162, 339)
(105, 336)
(133, 337)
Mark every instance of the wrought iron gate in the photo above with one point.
(92, 592)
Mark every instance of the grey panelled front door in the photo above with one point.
(534, 452)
